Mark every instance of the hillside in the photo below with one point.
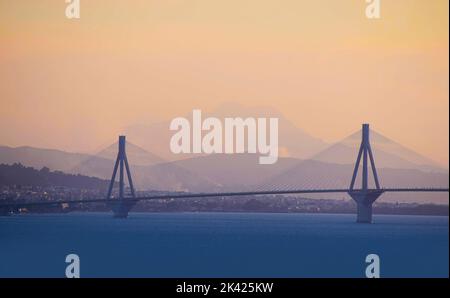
(40, 157)
(17, 174)
(387, 154)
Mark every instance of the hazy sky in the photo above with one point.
(73, 84)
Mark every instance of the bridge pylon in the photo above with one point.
(122, 205)
(365, 197)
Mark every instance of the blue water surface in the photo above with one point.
(222, 245)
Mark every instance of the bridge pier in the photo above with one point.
(121, 208)
(364, 201)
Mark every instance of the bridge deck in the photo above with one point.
(224, 194)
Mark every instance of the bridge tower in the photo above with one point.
(365, 197)
(122, 205)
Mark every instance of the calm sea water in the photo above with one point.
(222, 245)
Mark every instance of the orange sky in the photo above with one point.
(73, 84)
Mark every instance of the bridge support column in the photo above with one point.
(364, 197)
(364, 201)
(122, 205)
(363, 213)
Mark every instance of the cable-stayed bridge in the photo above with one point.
(364, 196)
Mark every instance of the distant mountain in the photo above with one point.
(135, 154)
(311, 174)
(149, 172)
(164, 176)
(168, 176)
(18, 174)
(387, 154)
(236, 171)
(397, 166)
(316, 174)
(38, 157)
(329, 168)
(293, 141)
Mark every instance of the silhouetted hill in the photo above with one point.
(387, 154)
(149, 172)
(39, 157)
(18, 174)
(235, 171)
(135, 154)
